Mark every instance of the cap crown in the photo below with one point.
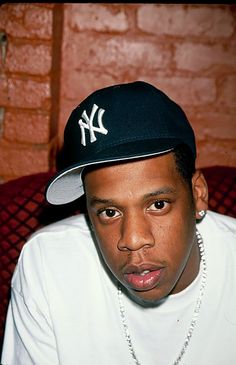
(125, 114)
(119, 122)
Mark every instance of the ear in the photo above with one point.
(200, 193)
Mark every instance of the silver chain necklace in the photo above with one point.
(195, 313)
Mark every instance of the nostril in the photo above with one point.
(134, 245)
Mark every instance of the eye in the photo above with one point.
(108, 213)
(159, 205)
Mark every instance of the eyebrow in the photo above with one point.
(93, 200)
(161, 191)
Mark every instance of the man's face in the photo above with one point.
(143, 215)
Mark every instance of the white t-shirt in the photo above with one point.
(64, 307)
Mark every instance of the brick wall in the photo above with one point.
(187, 50)
(27, 131)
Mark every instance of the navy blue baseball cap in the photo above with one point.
(119, 122)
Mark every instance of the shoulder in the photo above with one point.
(60, 238)
(219, 233)
(219, 222)
(76, 222)
(62, 232)
(66, 242)
(66, 233)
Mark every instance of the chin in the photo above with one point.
(146, 298)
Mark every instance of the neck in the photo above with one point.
(191, 269)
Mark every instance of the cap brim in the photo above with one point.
(67, 185)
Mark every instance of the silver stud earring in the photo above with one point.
(202, 213)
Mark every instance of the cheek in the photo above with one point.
(107, 242)
(174, 237)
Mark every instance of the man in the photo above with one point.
(147, 275)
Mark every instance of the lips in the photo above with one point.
(142, 278)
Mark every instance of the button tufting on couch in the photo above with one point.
(23, 210)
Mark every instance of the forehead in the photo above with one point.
(157, 168)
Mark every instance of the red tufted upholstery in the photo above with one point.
(222, 189)
(23, 210)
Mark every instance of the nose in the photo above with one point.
(135, 233)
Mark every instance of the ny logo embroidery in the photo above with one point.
(88, 124)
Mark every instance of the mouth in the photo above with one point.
(142, 278)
